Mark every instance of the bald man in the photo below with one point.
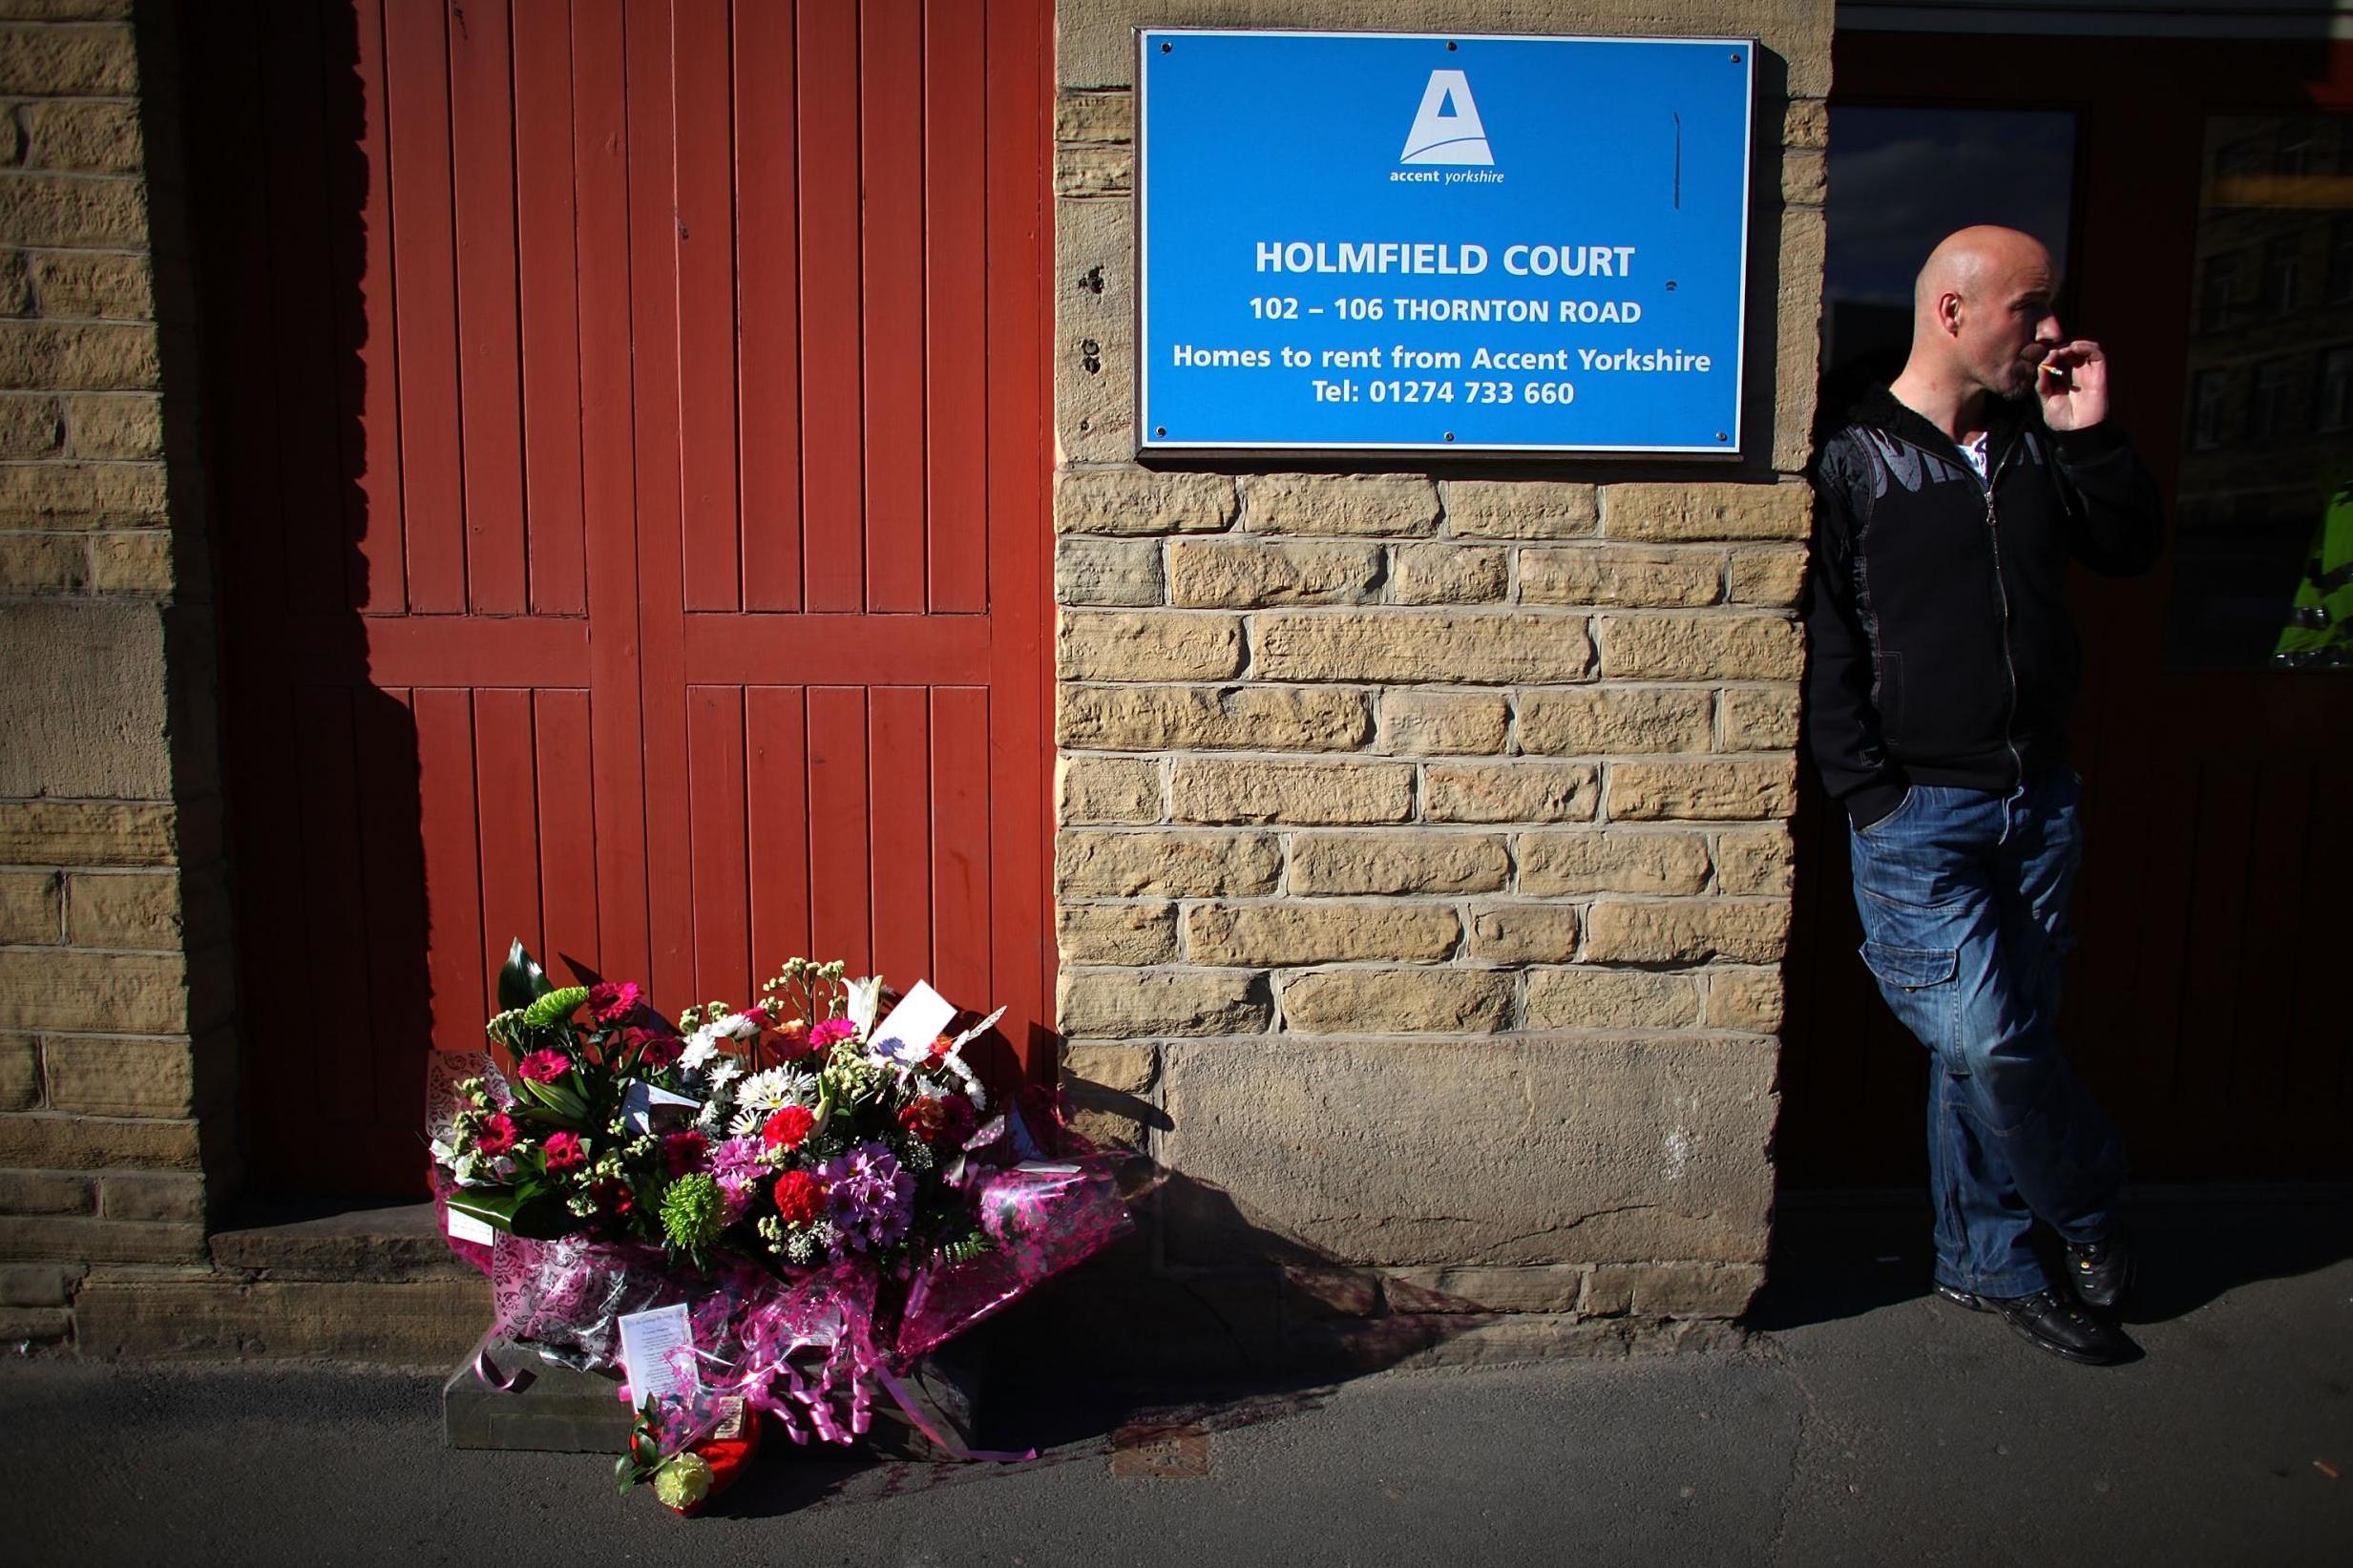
(1947, 507)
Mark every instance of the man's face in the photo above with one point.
(2007, 325)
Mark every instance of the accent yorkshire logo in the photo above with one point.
(1447, 129)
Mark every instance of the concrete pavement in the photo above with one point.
(1862, 1422)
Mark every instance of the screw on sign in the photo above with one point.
(1161, 1451)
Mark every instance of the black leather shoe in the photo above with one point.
(2100, 1271)
(2046, 1321)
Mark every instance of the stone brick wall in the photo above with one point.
(114, 1074)
(1423, 863)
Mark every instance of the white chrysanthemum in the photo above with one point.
(738, 1026)
(700, 1048)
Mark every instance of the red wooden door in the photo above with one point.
(630, 479)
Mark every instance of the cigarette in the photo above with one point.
(2051, 370)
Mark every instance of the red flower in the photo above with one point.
(800, 1197)
(614, 1197)
(925, 1118)
(564, 1151)
(497, 1135)
(684, 1153)
(963, 1120)
(607, 1003)
(792, 1041)
(831, 1030)
(660, 1052)
(787, 1127)
(544, 1066)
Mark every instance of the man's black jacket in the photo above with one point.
(1942, 649)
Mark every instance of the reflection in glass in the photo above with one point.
(2263, 568)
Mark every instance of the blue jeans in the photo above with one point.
(1963, 901)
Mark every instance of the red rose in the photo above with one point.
(684, 1153)
(787, 1127)
(800, 1197)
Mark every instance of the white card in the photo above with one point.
(466, 1228)
(648, 1340)
(922, 1015)
(639, 1100)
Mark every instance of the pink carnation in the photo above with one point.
(831, 1030)
(544, 1066)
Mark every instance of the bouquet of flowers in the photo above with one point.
(817, 1184)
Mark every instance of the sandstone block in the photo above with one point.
(1126, 1069)
(1442, 724)
(1140, 501)
(1804, 178)
(1519, 509)
(29, 426)
(31, 908)
(1758, 717)
(1685, 510)
(125, 909)
(1466, 647)
(1620, 719)
(16, 280)
(1200, 717)
(1107, 865)
(1530, 1288)
(77, 62)
(1702, 791)
(1107, 789)
(1243, 574)
(45, 1192)
(1089, 171)
(85, 833)
(1216, 789)
(1358, 504)
(1700, 648)
(1680, 1290)
(1094, 117)
(1797, 340)
(1126, 1004)
(43, 563)
(1129, 935)
(103, 137)
(20, 1072)
(418, 1323)
(1686, 931)
(1616, 1148)
(1771, 577)
(133, 563)
(35, 1325)
(35, 1285)
(97, 284)
(43, 1141)
(1398, 1001)
(1617, 574)
(1750, 999)
(141, 993)
(1613, 861)
(80, 1239)
(103, 1076)
(72, 210)
(1405, 861)
(1514, 792)
(84, 710)
(1148, 645)
(1610, 999)
(1759, 861)
(67, 495)
(1322, 932)
(1446, 574)
(174, 1198)
(1806, 123)
(1524, 933)
(1091, 570)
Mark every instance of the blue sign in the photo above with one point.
(1377, 241)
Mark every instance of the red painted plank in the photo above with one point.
(721, 857)
(838, 894)
(899, 777)
(1019, 69)
(545, 215)
(707, 369)
(366, 329)
(489, 341)
(890, 154)
(956, 386)
(448, 827)
(833, 495)
(653, 314)
(2276, 860)
(392, 890)
(439, 650)
(507, 799)
(2215, 924)
(832, 650)
(777, 766)
(425, 302)
(334, 933)
(564, 765)
(768, 285)
(301, 337)
(600, 125)
(960, 872)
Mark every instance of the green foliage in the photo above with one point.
(554, 1007)
(522, 981)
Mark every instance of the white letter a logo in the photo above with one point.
(1438, 136)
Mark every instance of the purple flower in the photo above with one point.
(868, 1198)
(735, 1165)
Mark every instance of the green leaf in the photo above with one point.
(568, 1106)
(554, 1007)
(522, 981)
(492, 1205)
(625, 1471)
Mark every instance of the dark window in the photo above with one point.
(2332, 391)
(2341, 256)
(2217, 291)
(2283, 273)
(2207, 399)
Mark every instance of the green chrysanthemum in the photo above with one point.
(684, 1481)
(693, 1213)
(554, 1007)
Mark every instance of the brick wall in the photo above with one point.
(114, 1066)
(1423, 867)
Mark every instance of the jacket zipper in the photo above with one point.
(2001, 592)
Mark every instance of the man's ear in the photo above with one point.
(1948, 308)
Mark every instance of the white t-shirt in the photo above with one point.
(1975, 452)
